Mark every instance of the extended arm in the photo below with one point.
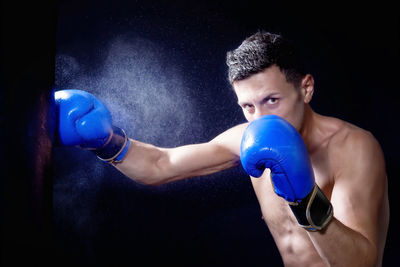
(149, 164)
(84, 121)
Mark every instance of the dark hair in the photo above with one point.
(260, 51)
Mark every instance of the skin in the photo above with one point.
(348, 164)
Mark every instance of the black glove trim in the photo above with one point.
(314, 212)
(113, 149)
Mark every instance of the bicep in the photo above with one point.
(201, 159)
(360, 190)
(197, 160)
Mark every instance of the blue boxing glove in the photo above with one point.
(273, 143)
(84, 121)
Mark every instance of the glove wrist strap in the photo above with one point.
(115, 150)
(314, 212)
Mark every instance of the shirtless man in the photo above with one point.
(268, 79)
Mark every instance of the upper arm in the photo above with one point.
(359, 195)
(201, 159)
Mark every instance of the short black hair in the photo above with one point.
(262, 50)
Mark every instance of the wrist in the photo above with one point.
(314, 212)
(116, 148)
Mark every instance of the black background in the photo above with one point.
(100, 217)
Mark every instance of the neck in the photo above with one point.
(309, 121)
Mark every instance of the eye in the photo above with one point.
(272, 100)
(248, 107)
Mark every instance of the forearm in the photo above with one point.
(143, 163)
(340, 245)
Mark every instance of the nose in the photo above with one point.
(258, 113)
(255, 115)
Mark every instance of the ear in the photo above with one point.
(307, 88)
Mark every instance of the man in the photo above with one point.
(346, 181)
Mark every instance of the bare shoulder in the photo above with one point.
(231, 138)
(352, 147)
(351, 139)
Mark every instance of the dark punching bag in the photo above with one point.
(27, 131)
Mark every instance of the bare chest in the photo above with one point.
(292, 240)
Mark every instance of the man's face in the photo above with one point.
(268, 92)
